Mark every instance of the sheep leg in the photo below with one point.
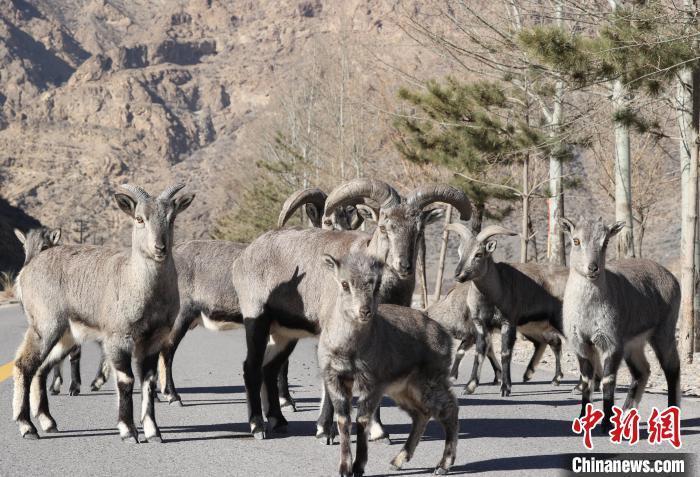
(481, 348)
(640, 370)
(587, 377)
(57, 379)
(340, 393)
(508, 334)
(535, 360)
(148, 367)
(366, 406)
(30, 355)
(376, 428)
(446, 412)
(271, 372)
(459, 355)
(419, 421)
(257, 332)
(611, 363)
(495, 365)
(38, 394)
(286, 399)
(103, 370)
(124, 378)
(664, 346)
(556, 346)
(325, 432)
(74, 358)
(167, 354)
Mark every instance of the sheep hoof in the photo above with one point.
(326, 439)
(440, 471)
(277, 424)
(96, 385)
(288, 402)
(505, 391)
(470, 387)
(175, 400)
(32, 436)
(556, 382)
(55, 391)
(74, 390)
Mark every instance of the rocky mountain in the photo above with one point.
(95, 93)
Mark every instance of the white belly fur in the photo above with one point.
(219, 325)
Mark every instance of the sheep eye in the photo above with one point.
(382, 229)
(139, 219)
(345, 286)
(577, 242)
(478, 255)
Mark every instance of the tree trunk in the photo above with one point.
(477, 218)
(443, 253)
(556, 248)
(423, 273)
(623, 190)
(526, 210)
(687, 117)
(687, 338)
(533, 240)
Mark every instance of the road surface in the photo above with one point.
(528, 433)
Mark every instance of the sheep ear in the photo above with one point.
(430, 216)
(330, 262)
(566, 225)
(491, 246)
(182, 202)
(20, 236)
(615, 228)
(313, 214)
(55, 236)
(126, 204)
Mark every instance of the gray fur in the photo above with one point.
(612, 311)
(282, 290)
(382, 350)
(126, 299)
(524, 294)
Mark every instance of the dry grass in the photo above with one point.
(7, 287)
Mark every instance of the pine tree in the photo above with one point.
(477, 130)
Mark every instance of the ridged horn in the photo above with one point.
(356, 191)
(137, 192)
(462, 230)
(492, 230)
(425, 195)
(311, 195)
(170, 192)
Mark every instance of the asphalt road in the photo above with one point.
(528, 433)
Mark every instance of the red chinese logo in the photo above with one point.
(665, 426)
(586, 423)
(626, 427)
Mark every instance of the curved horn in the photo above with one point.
(137, 192)
(428, 194)
(304, 196)
(461, 230)
(355, 191)
(492, 230)
(170, 192)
